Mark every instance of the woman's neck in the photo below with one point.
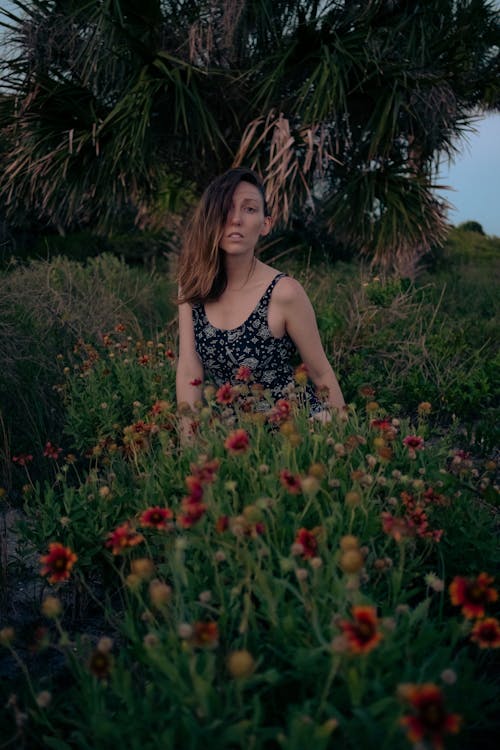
(239, 272)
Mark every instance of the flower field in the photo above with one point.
(276, 583)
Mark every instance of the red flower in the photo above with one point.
(382, 424)
(169, 354)
(143, 359)
(429, 718)
(291, 482)
(122, 537)
(23, 459)
(432, 497)
(307, 540)
(192, 511)
(205, 472)
(159, 407)
(414, 442)
(486, 633)
(225, 394)
(195, 488)
(58, 562)
(361, 633)
(50, 451)
(196, 381)
(243, 373)
(237, 442)
(367, 391)
(156, 518)
(280, 412)
(205, 634)
(472, 594)
(396, 526)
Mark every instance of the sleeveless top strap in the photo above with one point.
(264, 300)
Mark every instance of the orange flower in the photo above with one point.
(486, 633)
(361, 633)
(122, 537)
(237, 442)
(429, 718)
(222, 524)
(291, 482)
(472, 594)
(58, 562)
(225, 394)
(156, 518)
(424, 408)
(300, 374)
(309, 543)
(205, 635)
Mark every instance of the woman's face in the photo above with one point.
(245, 221)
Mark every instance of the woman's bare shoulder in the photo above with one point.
(288, 290)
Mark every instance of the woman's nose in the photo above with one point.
(234, 217)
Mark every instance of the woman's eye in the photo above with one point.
(251, 210)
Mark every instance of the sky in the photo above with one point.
(474, 176)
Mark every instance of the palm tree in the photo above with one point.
(344, 106)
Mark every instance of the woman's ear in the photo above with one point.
(268, 223)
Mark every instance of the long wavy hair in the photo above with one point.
(202, 275)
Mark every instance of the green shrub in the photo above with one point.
(45, 307)
(471, 226)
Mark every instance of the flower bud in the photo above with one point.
(351, 561)
(51, 607)
(240, 664)
(159, 593)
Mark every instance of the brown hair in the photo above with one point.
(201, 274)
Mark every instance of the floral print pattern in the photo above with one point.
(223, 352)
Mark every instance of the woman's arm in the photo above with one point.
(301, 326)
(189, 368)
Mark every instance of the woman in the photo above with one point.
(240, 319)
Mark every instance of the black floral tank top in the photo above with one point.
(252, 345)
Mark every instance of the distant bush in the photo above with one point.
(471, 226)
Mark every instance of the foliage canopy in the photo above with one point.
(343, 106)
